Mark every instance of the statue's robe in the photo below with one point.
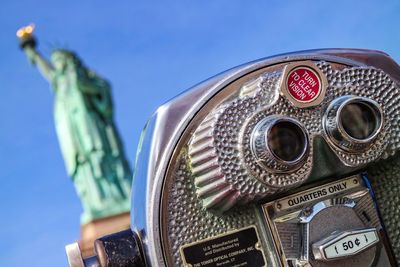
(90, 144)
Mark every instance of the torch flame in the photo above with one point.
(26, 31)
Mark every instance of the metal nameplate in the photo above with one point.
(318, 193)
(236, 248)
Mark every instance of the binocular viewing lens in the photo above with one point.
(359, 120)
(353, 122)
(280, 143)
(286, 140)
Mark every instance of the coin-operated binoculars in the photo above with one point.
(286, 161)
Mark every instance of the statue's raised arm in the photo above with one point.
(28, 45)
(89, 140)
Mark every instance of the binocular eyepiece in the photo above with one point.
(280, 143)
(352, 123)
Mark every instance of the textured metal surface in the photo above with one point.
(385, 181)
(216, 142)
(226, 170)
(188, 221)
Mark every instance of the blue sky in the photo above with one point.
(150, 51)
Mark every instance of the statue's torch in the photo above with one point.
(25, 36)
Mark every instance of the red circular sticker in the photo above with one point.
(303, 84)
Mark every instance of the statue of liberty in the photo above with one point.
(89, 141)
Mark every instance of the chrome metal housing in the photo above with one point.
(163, 133)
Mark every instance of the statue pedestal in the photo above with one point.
(98, 228)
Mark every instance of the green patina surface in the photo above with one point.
(89, 141)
